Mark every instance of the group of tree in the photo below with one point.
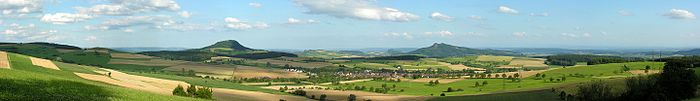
(677, 82)
(194, 91)
(433, 83)
(572, 59)
(479, 84)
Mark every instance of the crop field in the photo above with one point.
(30, 82)
(236, 71)
(502, 85)
(293, 64)
(147, 62)
(4, 62)
(44, 63)
(130, 56)
(405, 64)
(494, 58)
(528, 62)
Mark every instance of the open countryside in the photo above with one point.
(348, 50)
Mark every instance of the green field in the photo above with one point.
(28, 82)
(500, 85)
(540, 95)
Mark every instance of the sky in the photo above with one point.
(333, 24)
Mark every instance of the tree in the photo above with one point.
(476, 84)
(437, 82)
(449, 89)
(299, 92)
(179, 91)
(595, 91)
(352, 97)
(322, 97)
(192, 90)
(443, 94)
(204, 92)
(562, 95)
(431, 82)
(484, 83)
(646, 69)
(517, 75)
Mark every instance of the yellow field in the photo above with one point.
(528, 62)
(160, 86)
(148, 62)
(44, 63)
(494, 58)
(225, 71)
(4, 61)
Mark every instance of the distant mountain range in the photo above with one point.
(446, 50)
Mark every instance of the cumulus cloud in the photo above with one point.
(440, 16)
(680, 14)
(404, 35)
(130, 7)
(157, 22)
(255, 5)
(519, 34)
(507, 10)
(237, 24)
(357, 9)
(91, 38)
(15, 8)
(572, 35)
(299, 21)
(184, 14)
(29, 32)
(440, 33)
(63, 18)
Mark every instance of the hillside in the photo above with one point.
(229, 48)
(689, 52)
(59, 52)
(446, 50)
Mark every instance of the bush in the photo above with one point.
(352, 97)
(299, 92)
(322, 97)
(179, 91)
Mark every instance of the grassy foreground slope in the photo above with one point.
(28, 82)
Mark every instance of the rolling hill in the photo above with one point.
(229, 48)
(446, 50)
(689, 52)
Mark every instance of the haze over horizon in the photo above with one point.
(353, 24)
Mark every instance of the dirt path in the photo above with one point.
(4, 61)
(165, 87)
(43, 63)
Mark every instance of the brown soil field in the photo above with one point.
(641, 72)
(4, 61)
(459, 66)
(129, 55)
(149, 62)
(221, 71)
(43, 63)
(294, 64)
(337, 95)
(528, 62)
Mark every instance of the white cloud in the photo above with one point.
(474, 17)
(185, 14)
(586, 35)
(680, 14)
(29, 32)
(572, 35)
(236, 24)
(255, 5)
(299, 21)
(128, 30)
(357, 9)
(15, 8)
(63, 18)
(507, 10)
(91, 38)
(401, 35)
(130, 7)
(569, 35)
(440, 16)
(545, 14)
(441, 33)
(520, 34)
(624, 13)
(158, 22)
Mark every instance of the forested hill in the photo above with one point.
(229, 48)
(446, 50)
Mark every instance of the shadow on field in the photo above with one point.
(42, 90)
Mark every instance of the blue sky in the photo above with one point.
(319, 24)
